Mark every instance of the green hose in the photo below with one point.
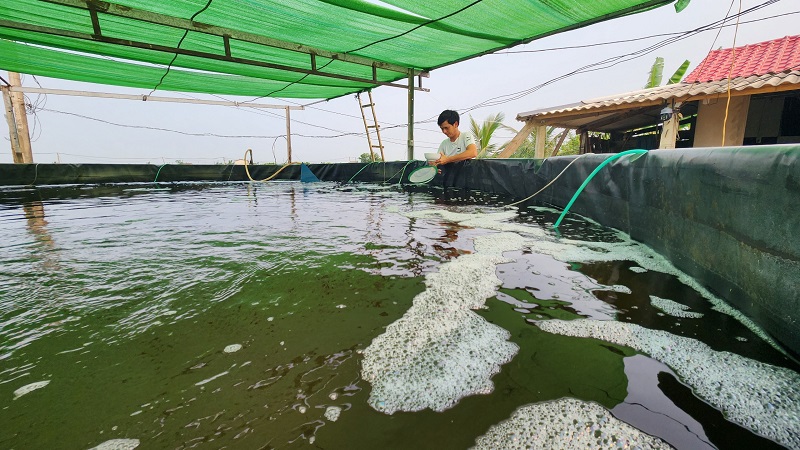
(591, 175)
(159, 171)
(365, 166)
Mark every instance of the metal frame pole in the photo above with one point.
(288, 135)
(410, 115)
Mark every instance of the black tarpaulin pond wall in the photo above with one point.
(729, 217)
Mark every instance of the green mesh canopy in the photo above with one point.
(274, 48)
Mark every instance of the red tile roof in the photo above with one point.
(769, 57)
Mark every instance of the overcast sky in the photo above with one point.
(61, 135)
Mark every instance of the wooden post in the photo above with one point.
(410, 115)
(288, 136)
(541, 141)
(669, 133)
(20, 119)
(514, 144)
(585, 142)
(12, 126)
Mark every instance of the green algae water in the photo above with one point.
(244, 316)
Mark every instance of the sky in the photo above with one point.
(97, 130)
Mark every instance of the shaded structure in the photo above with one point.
(763, 81)
(277, 48)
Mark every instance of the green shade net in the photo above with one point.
(54, 39)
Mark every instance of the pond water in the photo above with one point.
(287, 315)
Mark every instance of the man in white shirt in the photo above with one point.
(458, 146)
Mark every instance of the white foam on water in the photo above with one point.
(232, 348)
(673, 308)
(421, 360)
(118, 444)
(30, 388)
(440, 351)
(332, 413)
(207, 380)
(638, 269)
(572, 250)
(759, 396)
(620, 288)
(565, 424)
(568, 250)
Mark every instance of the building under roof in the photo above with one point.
(763, 80)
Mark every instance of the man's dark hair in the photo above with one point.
(448, 115)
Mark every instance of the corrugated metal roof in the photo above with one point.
(681, 91)
(769, 57)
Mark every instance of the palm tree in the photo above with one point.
(483, 133)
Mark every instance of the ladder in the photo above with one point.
(374, 125)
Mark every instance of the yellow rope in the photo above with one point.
(247, 169)
(730, 72)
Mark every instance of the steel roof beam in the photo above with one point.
(198, 54)
(199, 27)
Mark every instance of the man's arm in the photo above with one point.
(469, 153)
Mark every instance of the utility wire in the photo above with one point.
(641, 38)
(608, 62)
(185, 33)
(424, 24)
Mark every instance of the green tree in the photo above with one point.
(570, 146)
(483, 133)
(365, 158)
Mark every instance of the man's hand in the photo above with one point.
(442, 160)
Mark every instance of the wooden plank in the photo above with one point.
(21, 119)
(16, 154)
(560, 141)
(512, 146)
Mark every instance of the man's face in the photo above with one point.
(449, 130)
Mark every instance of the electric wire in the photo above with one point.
(641, 38)
(486, 103)
(185, 33)
(424, 24)
(608, 62)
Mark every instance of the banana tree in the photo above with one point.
(657, 73)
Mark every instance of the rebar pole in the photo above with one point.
(288, 136)
(410, 115)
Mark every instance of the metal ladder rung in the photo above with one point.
(368, 105)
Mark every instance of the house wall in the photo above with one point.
(710, 119)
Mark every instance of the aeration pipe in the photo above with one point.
(591, 175)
